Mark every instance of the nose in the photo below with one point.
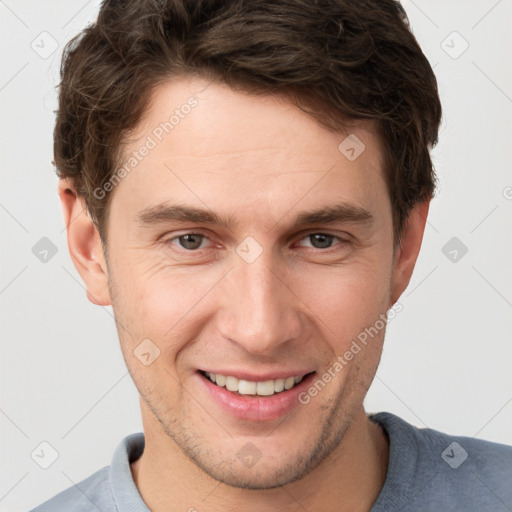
(258, 309)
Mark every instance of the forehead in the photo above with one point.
(210, 146)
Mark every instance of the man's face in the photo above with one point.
(261, 299)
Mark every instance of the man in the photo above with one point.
(247, 183)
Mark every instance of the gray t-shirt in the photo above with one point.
(428, 471)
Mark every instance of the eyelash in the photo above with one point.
(342, 241)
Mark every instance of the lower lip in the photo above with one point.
(255, 407)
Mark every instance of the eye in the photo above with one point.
(189, 241)
(323, 240)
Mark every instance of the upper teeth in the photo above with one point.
(247, 387)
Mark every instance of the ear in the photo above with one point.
(84, 244)
(408, 250)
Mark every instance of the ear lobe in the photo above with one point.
(84, 244)
(408, 250)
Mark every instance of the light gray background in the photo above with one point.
(448, 354)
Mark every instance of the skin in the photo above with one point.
(262, 161)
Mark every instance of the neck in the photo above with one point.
(349, 479)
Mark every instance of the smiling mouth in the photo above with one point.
(254, 388)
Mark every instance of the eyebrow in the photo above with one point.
(164, 213)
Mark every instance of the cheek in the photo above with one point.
(154, 311)
(346, 300)
(159, 302)
(170, 305)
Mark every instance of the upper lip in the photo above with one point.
(260, 376)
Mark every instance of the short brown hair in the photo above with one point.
(343, 59)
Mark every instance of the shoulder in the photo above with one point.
(92, 492)
(110, 489)
(433, 470)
